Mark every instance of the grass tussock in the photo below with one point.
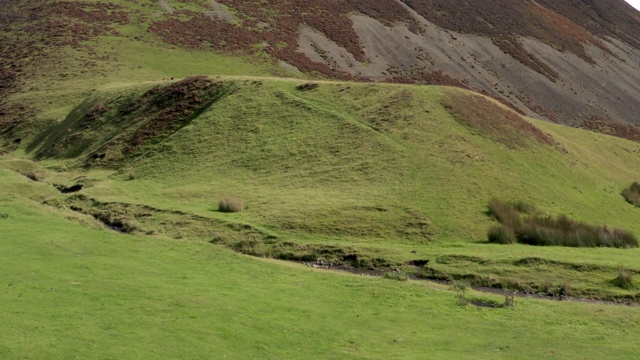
(632, 194)
(230, 205)
(500, 234)
(396, 275)
(624, 280)
(523, 224)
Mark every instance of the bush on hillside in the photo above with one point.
(632, 194)
(506, 214)
(230, 205)
(518, 225)
(500, 234)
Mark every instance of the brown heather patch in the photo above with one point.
(13, 118)
(503, 20)
(277, 26)
(112, 129)
(29, 30)
(534, 106)
(608, 127)
(70, 23)
(613, 18)
(422, 76)
(493, 121)
(170, 107)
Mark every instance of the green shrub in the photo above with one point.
(506, 213)
(624, 279)
(230, 205)
(500, 234)
(251, 247)
(525, 208)
(632, 194)
(548, 231)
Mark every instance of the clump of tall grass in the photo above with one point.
(396, 275)
(230, 205)
(624, 279)
(521, 223)
(632, 194)
(506, 214)
(500, 234)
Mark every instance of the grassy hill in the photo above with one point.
(115, 151)
(362, 175)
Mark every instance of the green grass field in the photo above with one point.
(367, 175)
(390, 173)
(78, 291)
(386, 171)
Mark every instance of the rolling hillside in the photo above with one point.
(362, 146)
(365, 175)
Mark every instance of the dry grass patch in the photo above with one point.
(230, 205)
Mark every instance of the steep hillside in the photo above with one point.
(574, 62)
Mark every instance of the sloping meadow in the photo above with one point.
(379, 174)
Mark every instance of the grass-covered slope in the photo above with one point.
(73, 289)
(367, 174)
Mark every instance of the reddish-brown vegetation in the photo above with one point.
(29, 30)
(493, 121)
(502, 20)
(426, 78)
(605, 126)
(613, 18)
(276, 28)
(170, 107)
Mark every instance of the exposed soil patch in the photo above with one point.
(495, 19)
(68, 189)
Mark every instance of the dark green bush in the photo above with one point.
(505, 213)
(500, 234)
(632, 194)
(548, 231)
